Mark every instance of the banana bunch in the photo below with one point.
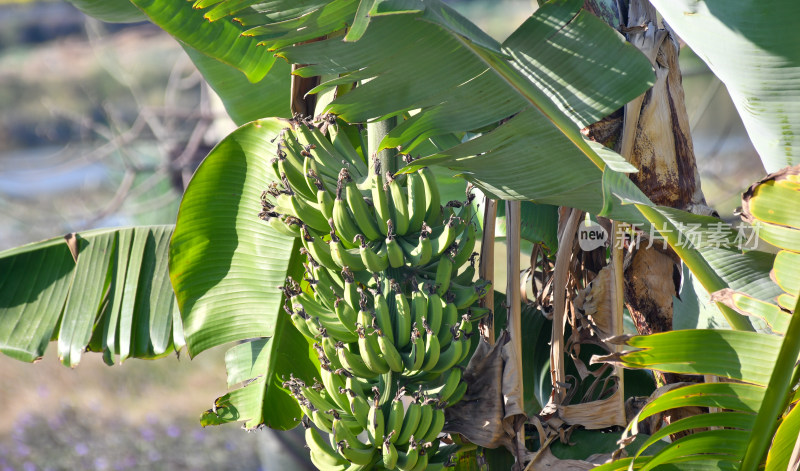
(387, 297)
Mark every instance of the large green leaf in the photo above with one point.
(744, 356)
(751, 47)
(262, 365)
(225, 263)
(110, 11)
(221, 40)
(463, 81)
(784, 442)
(244, 100)
(116, 299)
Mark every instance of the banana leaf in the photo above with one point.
(104, 290)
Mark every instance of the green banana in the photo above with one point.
(389, 454)
(437, 423)
(318, 249)
(458, 394)
(370, 351)
(382, 313)
(465, 296)
(344, 257)
(352, 362)
(345, 313)
(398, 205)
(444, 271)
(419, 304)
(394, 424)
(407, 460)
(434, 316)
(342, 221)
(393, 249)
(295, 180)
(450, 319)
(325, 203)
(322, 455)
(425, 419)
(355, 455)
(374, 261)
(432, 350)
(375, 424)
(380, 200)
(334, 386)
(414, 359)
(466, 276)
(422, 461)
(403, 317)
(358, 207)
(442, 240)
(341, 432)
(410, 423)
(417, 201)
(346, 150)
(466, 245)
(433, 212)
(450, 384)
(389, 353)
(419, 254)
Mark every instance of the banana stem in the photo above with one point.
(486, 266)
(514, 325)
(376, 132)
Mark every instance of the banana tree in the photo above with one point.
(507, 118)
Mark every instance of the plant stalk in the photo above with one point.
(775, 396)
(486, 265)
(376, 132)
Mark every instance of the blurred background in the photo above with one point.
(102, 125)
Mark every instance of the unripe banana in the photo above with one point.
(398, 205)
(434, 316)
(432, 350)
(358, 207)
(419, 254)
(394, 424)
(380, 199)
(442, 239)
(322, 454)
(334, 386)
(389, 353)
(374, 261)
(382, 313)
(393, 249)
(375, 424)
(437, 423)
(370, 351)
(353, 363)
(318, 249)
(433, 212)
(450, 319)
(404, 317)
(466, 245)
(389, 454)
(345, 314)
(342, 221)
(294, 178)
(408, 460)
(417, 201)
(425, 419)
(344, 257)
(458, 394)
(416, 357)
(444, 271)
(419, 304)
(362, 456)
